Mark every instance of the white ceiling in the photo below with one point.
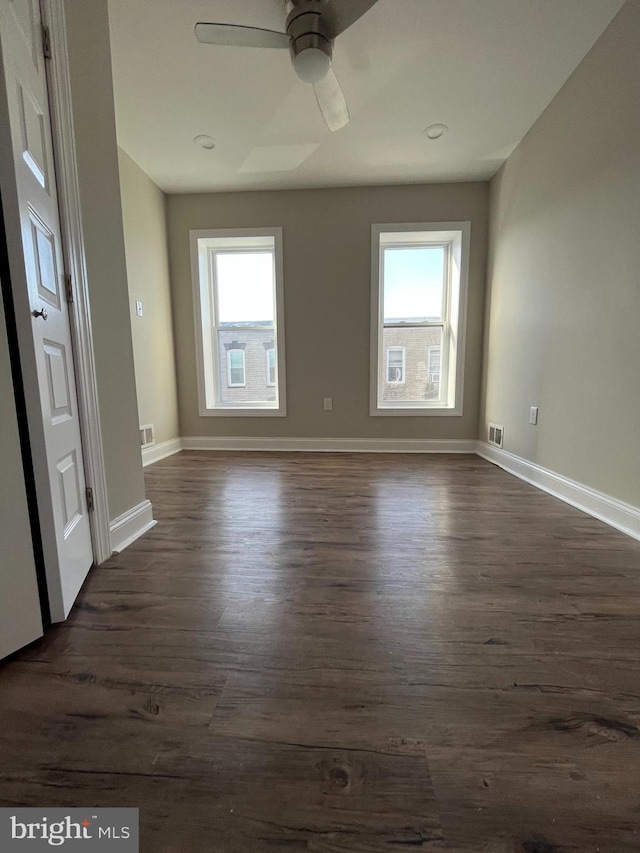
(485, 68)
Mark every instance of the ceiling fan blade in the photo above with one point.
(239, 36)
(331, 101)
(340, 14)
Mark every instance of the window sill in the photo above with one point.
(433, 411)
(243, 413)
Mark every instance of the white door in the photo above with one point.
(61, 483)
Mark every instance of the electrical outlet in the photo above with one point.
(138, 308)
(327, 404)
(533, 415)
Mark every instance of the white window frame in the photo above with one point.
(403, 350)
(456, 237)
(267, 354)
(231, 384)
(202, 243)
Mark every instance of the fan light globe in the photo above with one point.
(311, 65)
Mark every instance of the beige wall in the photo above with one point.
(327, 250)
(564, 282)
(145, 235)
(95, 133)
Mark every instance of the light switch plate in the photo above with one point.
(138, 308)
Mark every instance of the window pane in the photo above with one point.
(421, 380)
(251, 374)
(433, 363)
(236, 367)
(271, 366)
(245, 288)
(413, 284)
(395, 365)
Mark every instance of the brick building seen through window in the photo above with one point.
(412, 363)
(247, 363)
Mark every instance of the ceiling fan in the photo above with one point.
(310, 31)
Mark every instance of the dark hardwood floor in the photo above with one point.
(344, 653)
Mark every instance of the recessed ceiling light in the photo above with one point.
(435, 131)
(204, 141)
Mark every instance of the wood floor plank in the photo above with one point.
(263, 796)
(312, 708)
(345, 652)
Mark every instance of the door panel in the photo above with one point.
(70, 492)
(62, 484)
(45, 269)
(26, 14)
(57, 381)
(32, 135)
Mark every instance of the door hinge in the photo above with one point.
(69, 287)
(46, 42)
(89, 494)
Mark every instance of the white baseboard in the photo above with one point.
(331, 445)
(623, 516)
(160, 451)
(129, 526)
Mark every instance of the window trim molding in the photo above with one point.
(408, 410)
(238, 409)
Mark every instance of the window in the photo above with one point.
(433, 364)
(237, 281)
(271, 367)
(235, 368)
(395, 364)
(418, 316)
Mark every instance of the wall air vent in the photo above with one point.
(146, 436)
(496, 435)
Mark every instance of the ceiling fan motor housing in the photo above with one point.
(311, 47)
